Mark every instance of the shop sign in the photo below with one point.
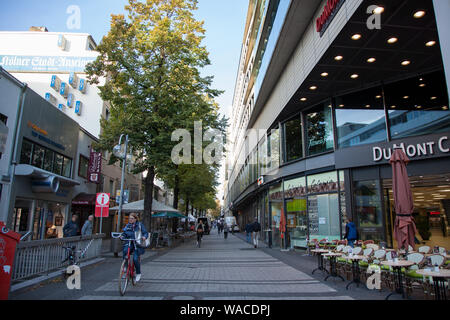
(329, 12)
(44, 63)
(95, 167)
(413, 150)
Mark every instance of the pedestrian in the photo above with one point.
(71, 228)
(256, 228)
(88, 226)
(219, 227)
(248, 231)
(225, 230)
(351, 234)
(129, 232)
(200, 228)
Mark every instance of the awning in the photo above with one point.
(138, 206)
(84, 199)
(36, 173)
(168, 215)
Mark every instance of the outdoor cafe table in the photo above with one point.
(320, 259)
(333, 271)
(355, 268)
(439, 279)
(397, 267)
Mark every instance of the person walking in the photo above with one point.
(256, 228)
(200, 228)
(88, 226)
(351, 234)
(225, 230)
(129, 232)
(71, 228)
(248, 231)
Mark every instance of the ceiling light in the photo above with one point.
(354, 76)
(406, 62)
(406, 97)
(371, 60)
(378, 10)
(392, 40)
(367, 105)
(303, 99)
(419, 14)
(430, 43)
(378, 97)
(422, 85)
(341, 105)
(433, 98)
(393, 107)
(324, 74)
(444, 108)
(356, 36)
(419, 107)
(312, 88)
(338, 58)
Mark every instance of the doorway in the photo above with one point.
(431, 196)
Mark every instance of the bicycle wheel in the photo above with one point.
(123, 277)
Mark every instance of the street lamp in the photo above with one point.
(117, 151)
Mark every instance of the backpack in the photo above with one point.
(256, 227)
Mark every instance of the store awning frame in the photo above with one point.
(27, 170)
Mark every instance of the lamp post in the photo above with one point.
(122, 155)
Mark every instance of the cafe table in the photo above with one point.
(397, 269)
(439, 280)
(319, 253)
(355, 268)
(333, 271)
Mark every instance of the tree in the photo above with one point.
(151, 60)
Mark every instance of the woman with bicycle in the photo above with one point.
(129, 233)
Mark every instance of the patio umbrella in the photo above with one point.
(404, 225)
(168, 215)
(282, 226)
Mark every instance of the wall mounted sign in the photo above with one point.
(95, 167)
(13, 63)
(329, 12)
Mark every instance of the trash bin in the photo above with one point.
(8, 242)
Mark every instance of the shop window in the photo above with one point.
(293, 139)
(262, 157)
(276, 208)
(83, 167)
(319, 130)
(58, 164)
(418, 106)
(360, 118)
(296, 212)
(26, 152)
(274, 148)
(67, 167)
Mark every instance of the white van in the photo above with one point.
(231, 222)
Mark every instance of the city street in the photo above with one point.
(222, 269)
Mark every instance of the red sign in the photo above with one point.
(329, 11)
(95, 167)
(102, 205)
(435, 212)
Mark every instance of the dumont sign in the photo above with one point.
(44, 63)
(413, 150)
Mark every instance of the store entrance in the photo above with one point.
(431, 196)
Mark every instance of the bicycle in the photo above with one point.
(127, 270)
(71, 257)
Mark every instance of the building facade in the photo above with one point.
(324, 91)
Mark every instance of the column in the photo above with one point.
(441, 10)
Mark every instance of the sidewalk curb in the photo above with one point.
(52, 275)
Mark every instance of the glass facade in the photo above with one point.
(296, 210)
(276, 209)
(319, 129)
(274, 148)
(293, 139)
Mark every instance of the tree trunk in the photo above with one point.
(148, 198)
(176, 191)
(187, 215)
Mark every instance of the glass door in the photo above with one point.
(297, 222)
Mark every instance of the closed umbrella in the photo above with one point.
(404, 225)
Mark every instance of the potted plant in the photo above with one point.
(423, 227)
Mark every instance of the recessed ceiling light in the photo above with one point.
(378, 10)
(367, 105)
(392, 40)
(371, 60)
(422, 85)
(354, 76)
(338, 58)
(419, 14)
(324, 74)
(433, 98)
(312, 88)
(419, 107)
(378, 97)
(393, 107)
(341, 105)
(356, 36)
(303, 99)
(444, 108)
(406, 97)
(406, 62)
(430, 43)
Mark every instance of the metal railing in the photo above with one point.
(39, 257)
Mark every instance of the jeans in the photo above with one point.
(248, 237)
(136, 261)
(351, 243)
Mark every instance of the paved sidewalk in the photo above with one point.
(222, 269)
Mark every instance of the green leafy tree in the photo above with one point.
(151, 59)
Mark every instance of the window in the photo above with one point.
(360, 118)
(48, 160)
(57, 168)
(83, 167)
(26, 152)
(274, 148)
(293, 139)
(38, 156)
(67, 167)
(319, 130)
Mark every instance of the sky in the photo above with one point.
(224, 22)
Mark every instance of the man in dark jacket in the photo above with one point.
(248, 231)
(351, 233)
(256, 228)
(71, 228)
